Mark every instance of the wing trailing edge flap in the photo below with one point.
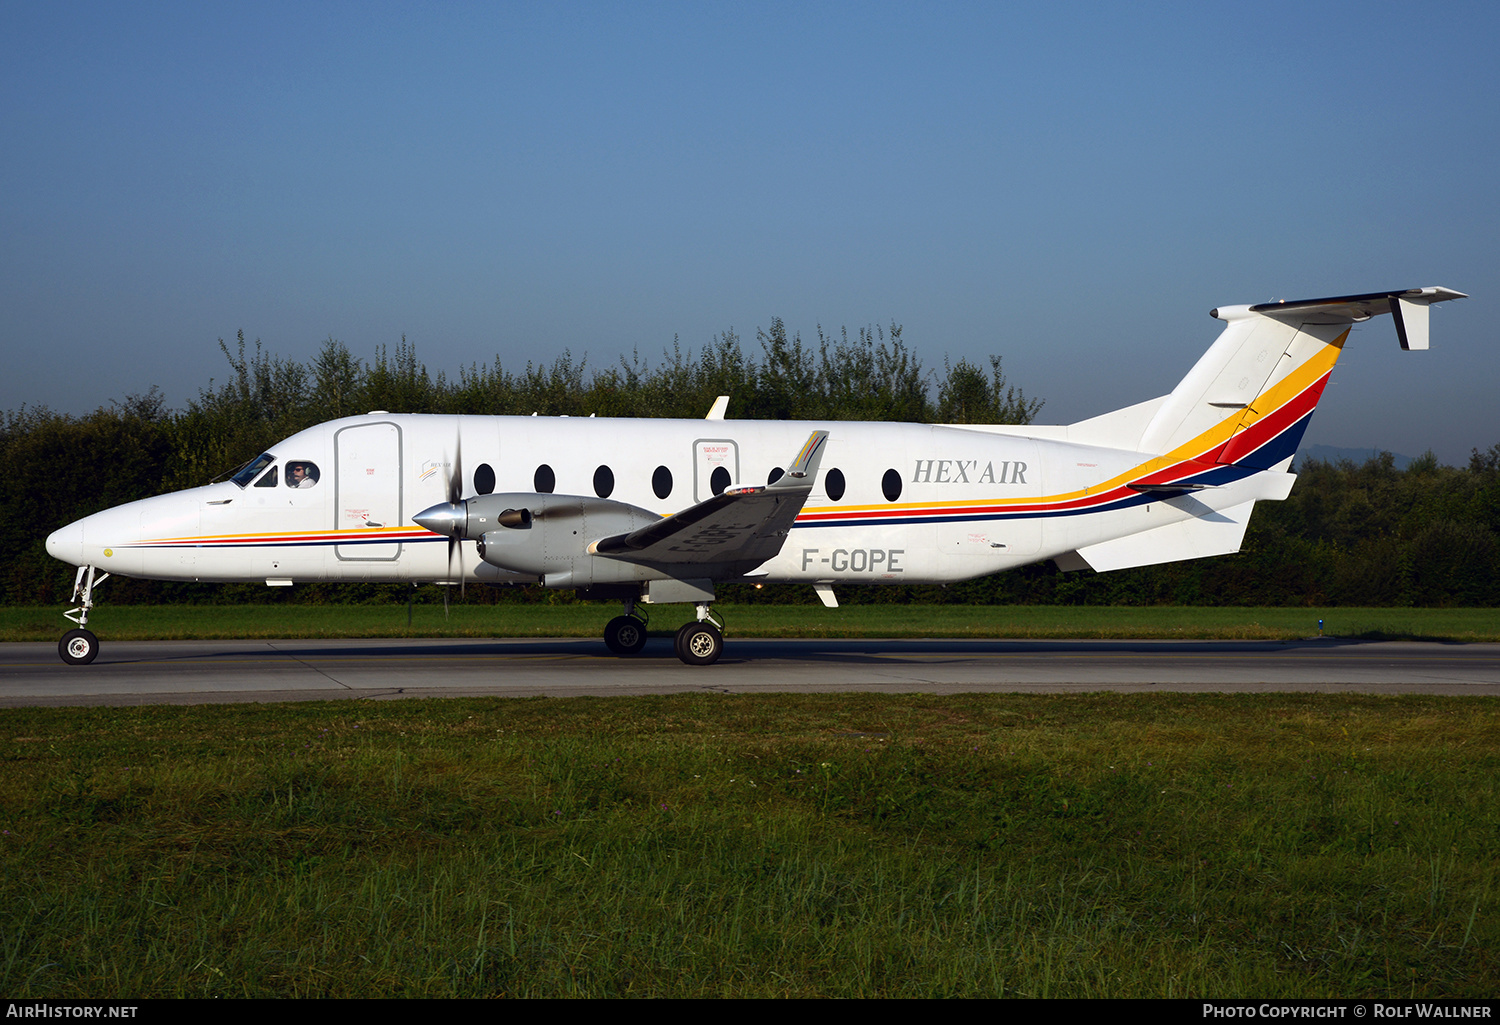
(741, 525)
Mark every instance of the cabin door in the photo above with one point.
(368, 501)
(716, 465)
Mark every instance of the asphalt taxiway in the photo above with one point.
(194, 672)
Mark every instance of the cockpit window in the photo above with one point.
(301, 474)
(250, 470)
(269, 480)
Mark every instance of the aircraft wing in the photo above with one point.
(741, 525)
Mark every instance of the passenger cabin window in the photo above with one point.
(775, 475)
(661, 482)
(718, 480)
(301, 474)
(604, 481)
(890, 485)
(833, 484)
(545, 480)
(484, 479)
(252, 469)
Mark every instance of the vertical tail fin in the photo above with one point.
(1248, 400)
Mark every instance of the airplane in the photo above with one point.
(650, 512)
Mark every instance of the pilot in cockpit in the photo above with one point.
(301, 475)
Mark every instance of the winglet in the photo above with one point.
(806, 463)
(719, 408)
(1410, 314)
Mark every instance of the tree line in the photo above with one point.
(1350, 534)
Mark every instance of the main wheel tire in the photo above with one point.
(700, 644)
(78, 647)
(625, 635)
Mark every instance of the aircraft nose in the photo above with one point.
(445, 518)
(66, 544)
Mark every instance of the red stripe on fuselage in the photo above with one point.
(1273, 423)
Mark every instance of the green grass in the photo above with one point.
(147, 622)
(775, 845)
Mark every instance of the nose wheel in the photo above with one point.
(78, 647)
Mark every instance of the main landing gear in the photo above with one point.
(80, 647)
(698, 643)
(626, 635)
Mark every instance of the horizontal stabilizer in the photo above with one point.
(1409, 308)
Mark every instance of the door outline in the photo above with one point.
(706, 461)
(382, 552)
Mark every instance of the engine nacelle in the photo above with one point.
(549, 535)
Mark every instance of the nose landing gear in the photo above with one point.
(80, 647)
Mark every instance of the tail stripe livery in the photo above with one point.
(1231, 450)
(1269, 400)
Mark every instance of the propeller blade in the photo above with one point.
(456, 478)
(450, 518)
(455, 495)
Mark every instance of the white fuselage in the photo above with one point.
(919, 503)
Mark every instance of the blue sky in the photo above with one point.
(1072, 186)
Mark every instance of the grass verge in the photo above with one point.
(776, 845)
